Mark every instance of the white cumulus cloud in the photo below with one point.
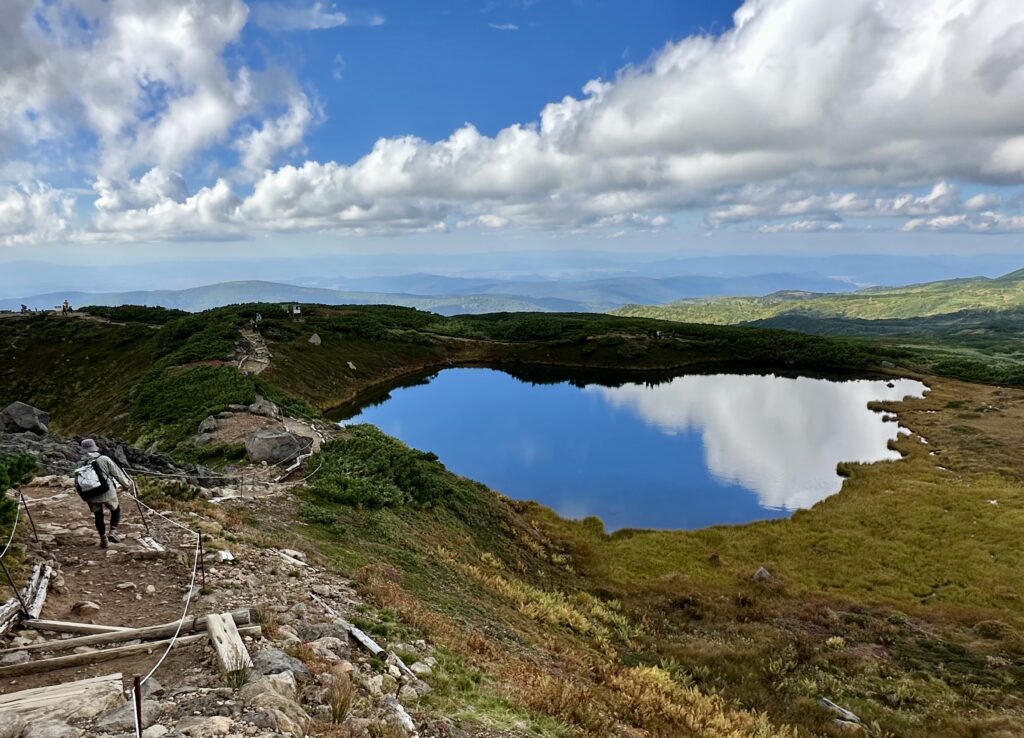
(803, 115)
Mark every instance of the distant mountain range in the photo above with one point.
(442, 294)
(428, 273)
(789, 308)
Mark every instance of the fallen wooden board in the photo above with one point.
(9, 613)
(82, 699)
(164, 630)
(231, 651)
(364, 640)
(63, 626)
(79, 659)
(33, 595)
(38, 587)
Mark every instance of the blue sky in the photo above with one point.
(232, 127)
(432, 67)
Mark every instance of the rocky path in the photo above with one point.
(257, 354)
(310, 677)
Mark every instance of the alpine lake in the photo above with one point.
(679, 452)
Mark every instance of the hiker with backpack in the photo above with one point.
(96, 481)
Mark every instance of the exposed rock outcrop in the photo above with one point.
(20, 417)
(275, 446)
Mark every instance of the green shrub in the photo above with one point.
(134, 313)
(369, 469)
(174, 401)
(14, 471)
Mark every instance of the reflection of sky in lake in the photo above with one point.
(691, 452)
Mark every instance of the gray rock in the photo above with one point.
(17, 657)
(123, 717)
(49, 729)
(762, 575)
(400, 717)
(238, 408)
(274, 661)
(202, 439)
(156, 731)
(224, 415)
(85, 607)
(408, 694)
(330, 649)
(282, 684)
(275, 445)
(205, 727)
(11, 725)
(19, 417)
(316, 631)
(315, 339)
(421, 669)
(209, 425)
(152, 688)
(265, 408)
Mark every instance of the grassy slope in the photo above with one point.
(897, 597)
(931, 298)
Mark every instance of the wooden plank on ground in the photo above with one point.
(164, 630)
(37, 597)
(9, 614)
(79, 659)
(227, 642)
(29, 699)
(63, 626)
(364, 640)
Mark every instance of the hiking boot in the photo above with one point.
(103, 542)
(113, 537)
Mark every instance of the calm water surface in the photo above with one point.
(686, 453)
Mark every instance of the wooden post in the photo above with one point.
(35, 533)
(202, 566)
(137, 699)
(227, 642)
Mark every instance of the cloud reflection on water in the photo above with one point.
(778, 436)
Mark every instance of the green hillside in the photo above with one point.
(931, 298)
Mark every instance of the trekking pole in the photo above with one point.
(14, 587)
(142, 513)
(35, 533)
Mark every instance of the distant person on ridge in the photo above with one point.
(65, 309)
(93, 480)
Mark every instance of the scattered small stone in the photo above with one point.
(205, 727)
(421, 669)
(85, 607)
(126, 585)
(150, 589)
(762, 575)
(17, 657)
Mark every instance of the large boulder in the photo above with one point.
(275, 445)
(19, 417)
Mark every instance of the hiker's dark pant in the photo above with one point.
(115, 518)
